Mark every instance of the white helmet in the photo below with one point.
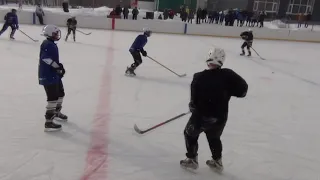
(147, 32)
(52, 32)
(217, 56)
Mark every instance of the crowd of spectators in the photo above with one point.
(227, 17)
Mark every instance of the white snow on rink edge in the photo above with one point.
(272, 134)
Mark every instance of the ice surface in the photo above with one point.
(272, 134)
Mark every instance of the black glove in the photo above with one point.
(144, 53)
(192, 107)
(60, 70)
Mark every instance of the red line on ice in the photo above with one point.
(97, 156)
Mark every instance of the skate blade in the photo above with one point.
(60, 120)
(215, 168)
(189, 169)
(52, 130)
(129, 75)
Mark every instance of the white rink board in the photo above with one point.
(171, 27)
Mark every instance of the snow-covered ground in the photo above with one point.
(272, 134)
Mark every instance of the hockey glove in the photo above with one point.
(60, 70)
(192, 107)
(17, 26)
(144, 53)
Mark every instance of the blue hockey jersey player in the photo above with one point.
(51, 72)
(136, 48)
(11, 19)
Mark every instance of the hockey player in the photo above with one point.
(211, 91)
(136, 48)
(11, 19)
(247, 36)
(72, 26)
(51, 72)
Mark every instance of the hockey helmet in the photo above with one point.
(147, 32)
(216, 56)
(52, 32)
(13, 10)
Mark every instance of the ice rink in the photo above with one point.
(272, 134)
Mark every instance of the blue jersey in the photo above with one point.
(139, 43)
(49, 60)
(11, 18)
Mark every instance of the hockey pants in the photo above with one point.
(55, 94)
(213, 129)
(137, 59)
(247, 44)
(5, 27)
(73, 32)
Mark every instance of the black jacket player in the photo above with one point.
(211, 91)
(72, 26)
(247, 36)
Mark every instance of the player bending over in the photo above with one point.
(11, 19)
(72, 26)
(211, 91)
(136, 48)
(247, 36)
(51, 72)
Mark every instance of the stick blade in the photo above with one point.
(135, 127)
(183, 75)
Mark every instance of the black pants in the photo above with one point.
(5, 27)
(137, 59)
(40, 17)
(73, 30)
(54, 91)
(213, 129)
(247, 44)
(198, 20)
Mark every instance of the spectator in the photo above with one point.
(199, 15)
(135, 13)
(204, 15)
(261, 18)
(171, 14)
(40, 13)
(221, 17)
(307, 19)
(190, 16)
(300, 19)
(118, 10)
(160, 17)
(125, 13)
(165, 14)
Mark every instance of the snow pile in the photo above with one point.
(278, 23)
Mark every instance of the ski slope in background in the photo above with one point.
(272, 134)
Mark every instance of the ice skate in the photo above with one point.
(130, 72)
(243, 53)
(12, 38)
(249, 54)
(215, 164)
(61, 117)
(190, 163)
(50, 126)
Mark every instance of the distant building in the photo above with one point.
(274, 8)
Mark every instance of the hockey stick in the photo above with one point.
(179, 75)
(257, 53)
(34, 40)
(158, 125)
(83, 32)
